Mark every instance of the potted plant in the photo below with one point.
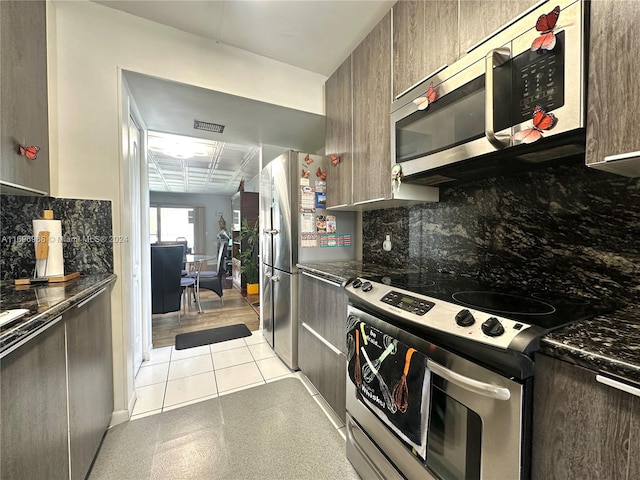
(250, 271)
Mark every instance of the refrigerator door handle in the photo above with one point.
(275, 278)
(267, 274)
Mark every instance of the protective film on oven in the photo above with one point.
(392, 381)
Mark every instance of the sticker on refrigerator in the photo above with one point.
(307, 199)
(307, 223)
(308, 240)
(331, 224)
(321, 200)
(321, 224)
(335, 240)
(321, 186)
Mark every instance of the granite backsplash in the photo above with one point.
(86, 230)
(568, 229)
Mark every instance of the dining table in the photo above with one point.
(195, 263)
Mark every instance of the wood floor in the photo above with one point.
(236, 309)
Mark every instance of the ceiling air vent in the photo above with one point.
(209, 127)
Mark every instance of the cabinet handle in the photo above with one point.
(495, 57)
(22, 187)
(618, 385)
(88, 299)
(321, 338)
(370, 201)
(325, 280)
(29, 336)
(435, 72)
(622, 156)
(470, 384)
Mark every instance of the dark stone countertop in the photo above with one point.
(608, 344)
(340, 272)
(45, 302)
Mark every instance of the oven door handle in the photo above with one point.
(494, 58)
(475, 386)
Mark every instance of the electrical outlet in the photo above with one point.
(386, 245)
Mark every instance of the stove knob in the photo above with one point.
(464, 318)
(492, 327)
(367, 287)
(356, 283)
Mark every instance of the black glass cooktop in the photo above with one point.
(547, 310)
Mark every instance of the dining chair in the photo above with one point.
(166, 279)
(213, 280)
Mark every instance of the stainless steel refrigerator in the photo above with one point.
(295, 228)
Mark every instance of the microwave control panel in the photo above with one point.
(538, 80)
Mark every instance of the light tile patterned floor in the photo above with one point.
(174, 378)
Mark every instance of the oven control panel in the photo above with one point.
(438, 314)
(408, 303)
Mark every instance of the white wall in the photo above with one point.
(88, 46)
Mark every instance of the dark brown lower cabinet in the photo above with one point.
(322, 312)
(57, 395)
(34, 415)
(324, 367)
(582, 429)
(90, 379)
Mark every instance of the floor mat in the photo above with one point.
(211, 335)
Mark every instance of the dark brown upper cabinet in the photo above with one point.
(339, 134)
(613, 86)
(23, 96)
(422, 40)
(480, 18)
(371, 115)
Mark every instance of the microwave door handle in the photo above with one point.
(494, 58)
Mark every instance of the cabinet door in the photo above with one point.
(325, 369)
(580, 427)
(613, 79)
(338, 136)
(23, 75)
(480, 18)
(422, 39)
(90, 380)
(371, 115)
(34, 414)
(634, 441)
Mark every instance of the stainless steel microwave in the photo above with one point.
(511, 103)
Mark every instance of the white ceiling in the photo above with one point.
(315, 35)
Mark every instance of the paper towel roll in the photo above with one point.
(54, 264)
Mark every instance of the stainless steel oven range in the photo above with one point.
(440, 375)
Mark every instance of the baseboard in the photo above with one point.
(122, 416)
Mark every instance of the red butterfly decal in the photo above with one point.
(305, 173)
(423, 102)
(320, 174)
(545, 25)
(308, 160)
(335, 159)
(30, 152)
(541, 121)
